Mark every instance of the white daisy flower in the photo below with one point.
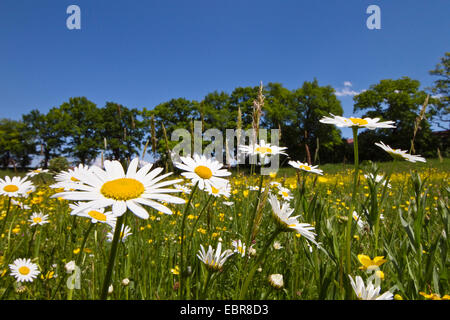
(239, 247)
(96, 215)
(221, 190)
(285, 194)
(16, 187)
(277, 245)
(182, 188)
(125, 232)
(361, 223)
(369, 292)
(38, 218)
(112, 187)
(206, 171)
(275, 184)
(276, 280)
(66, 179)
(400, 154)
(305, 167)
(24, 270)
(282, 215)
(214, 259)
(21, 205)
(262, 149)
(33, 173)
(228, 203)
(377, 179)
(367, 123)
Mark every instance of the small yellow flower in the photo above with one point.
(432, 296)
(245, 193)
(369, 264)
(398, 297)
(175, 271)
(76, 251)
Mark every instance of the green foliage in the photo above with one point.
(122, 130)
(58, 164)
(399, 100)
(441, 89)
(82, 119)
(16, 143)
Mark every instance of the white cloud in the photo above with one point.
(347, 90)
(347, 84)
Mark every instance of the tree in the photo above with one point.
(174, 114)
(84, 120)
(401, 101)
(442, 90)
(49, 132)
(122, 130)
(297, 114)
(16, 143)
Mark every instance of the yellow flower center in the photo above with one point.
(11, 188)
(74, 179)
(122, 189)
(263, 150)
(97, 215)
(359, 121)
(203, 172)
(37, 219)
(36, 171)
(304, 167)
(285, 194)
(24, 270)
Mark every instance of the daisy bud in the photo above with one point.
(125, 282)
(276, 281)
(110, 289)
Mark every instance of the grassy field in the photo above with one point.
(411, 236)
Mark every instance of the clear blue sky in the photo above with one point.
(142, 53)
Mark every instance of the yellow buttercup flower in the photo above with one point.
(369, 264)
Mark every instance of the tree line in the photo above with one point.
(80, 130)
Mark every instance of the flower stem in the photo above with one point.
(183, 223)
(252, 218)
(352, 206)
(112, 257)
(205, 285)
(377, 221)
(257, 263)
(86, 234)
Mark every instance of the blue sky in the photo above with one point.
(142, 53)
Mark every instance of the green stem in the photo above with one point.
(257, 263)
(86, 234)
(191, 235)
(252, 218)
(112, 257)
(377, 222)
(183, 223)
(206, 283)
(352, 206)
